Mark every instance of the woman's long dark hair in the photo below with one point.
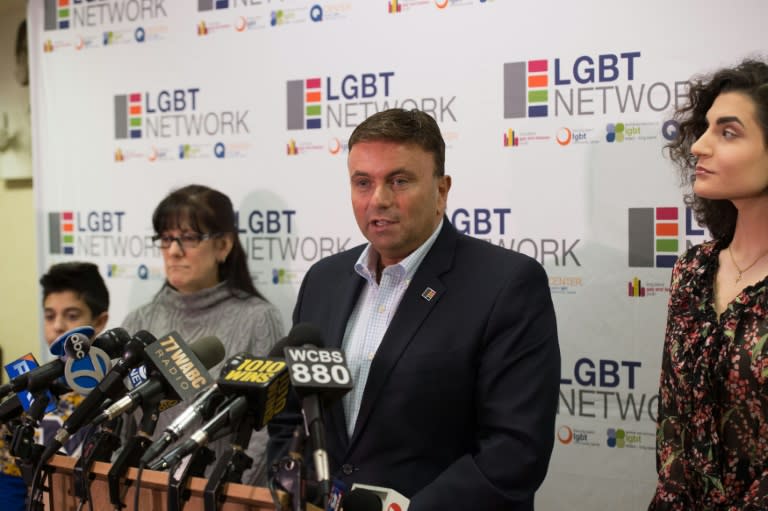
(206, 210)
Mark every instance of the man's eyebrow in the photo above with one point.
(401, 170)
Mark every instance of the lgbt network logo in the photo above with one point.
(61, 232)
(525, 89)
(304, 107)
(211, 5)
(57, 14)
(128, 118)
(653, 237)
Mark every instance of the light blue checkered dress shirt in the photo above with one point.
(372, 314)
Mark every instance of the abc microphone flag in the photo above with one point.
(84, 373)
(57, 346)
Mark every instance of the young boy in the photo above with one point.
(74, 294)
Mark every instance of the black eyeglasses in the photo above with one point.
(186, 240)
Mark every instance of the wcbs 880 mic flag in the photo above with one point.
(317, 370)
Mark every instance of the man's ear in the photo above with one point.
(100, 321)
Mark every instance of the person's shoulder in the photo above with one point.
(257, 318)
(698, 254)
(137, 316)
(256, 303)
(138, 311)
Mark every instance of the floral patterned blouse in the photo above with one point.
(712, 435)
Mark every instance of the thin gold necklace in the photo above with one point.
(738, 278)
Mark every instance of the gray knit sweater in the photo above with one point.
(249, 325)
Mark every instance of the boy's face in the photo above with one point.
(65, 310)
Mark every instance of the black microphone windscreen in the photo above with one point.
(277, 349)
(10, 408)
(145, 337)
(306, 333)
(112, 341)
(300, 335)
(209, 350)
(234, 361)
(361, 500)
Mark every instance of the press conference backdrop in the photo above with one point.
(554, 114)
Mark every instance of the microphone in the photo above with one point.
(85, 368)
(18, 371)
(367, 494)
(111, 386)
(361, 500)
(41, 377)
(202, 407)
(319, 376)
(261, 389)
(230, 413)
(205, 353)
(10, 408)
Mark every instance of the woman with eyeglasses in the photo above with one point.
(208, 291)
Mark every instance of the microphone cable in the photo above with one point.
(138, 486)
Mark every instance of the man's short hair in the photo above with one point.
(81, 278)
(405, 127)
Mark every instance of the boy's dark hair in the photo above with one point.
(81, 278)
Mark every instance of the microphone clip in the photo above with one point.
(26, 451)
(287, 477)
(192, 465)
(97, 448)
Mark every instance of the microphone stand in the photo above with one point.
(97, 448)
(28, 453)
(288, 476)
(23, 444)
(133, 449)
(230, 467)
(192, 465)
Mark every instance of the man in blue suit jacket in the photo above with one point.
(451, 341)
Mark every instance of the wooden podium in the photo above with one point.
(153, 496)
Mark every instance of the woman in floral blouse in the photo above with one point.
(712, 445)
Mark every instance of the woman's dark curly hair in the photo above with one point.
(749, 78)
